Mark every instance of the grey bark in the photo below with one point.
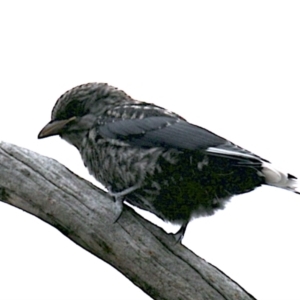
(141, 251)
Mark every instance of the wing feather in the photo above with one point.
(160, 131)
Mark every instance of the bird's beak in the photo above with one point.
(54, 128)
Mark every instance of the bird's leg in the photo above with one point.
(180, 233)
(119, 199)
(118, 207)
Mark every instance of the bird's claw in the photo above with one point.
(118, 208)
(180, 233)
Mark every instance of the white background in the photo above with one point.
(230, 66)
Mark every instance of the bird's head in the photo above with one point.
(76, 111)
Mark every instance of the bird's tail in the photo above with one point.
(279, 179)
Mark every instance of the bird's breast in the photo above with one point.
(117, 165)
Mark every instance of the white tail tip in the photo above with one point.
(279, 179)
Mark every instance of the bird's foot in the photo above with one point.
(118, 208)
(180, 233)
(119, 199)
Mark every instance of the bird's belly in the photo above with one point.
(195, 185)
(174, 185)
(177, 198)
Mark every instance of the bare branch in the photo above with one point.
(140, 250)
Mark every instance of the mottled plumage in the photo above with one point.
(153, 158)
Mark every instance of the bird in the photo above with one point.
(155, 159)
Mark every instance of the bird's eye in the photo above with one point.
(72, 109)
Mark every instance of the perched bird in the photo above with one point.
(153, 158)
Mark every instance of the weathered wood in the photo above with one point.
(140, 250)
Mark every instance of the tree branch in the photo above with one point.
(140, 250)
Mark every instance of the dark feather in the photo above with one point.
(160, 131)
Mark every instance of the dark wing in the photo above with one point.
(172, 132)
(159, 131)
